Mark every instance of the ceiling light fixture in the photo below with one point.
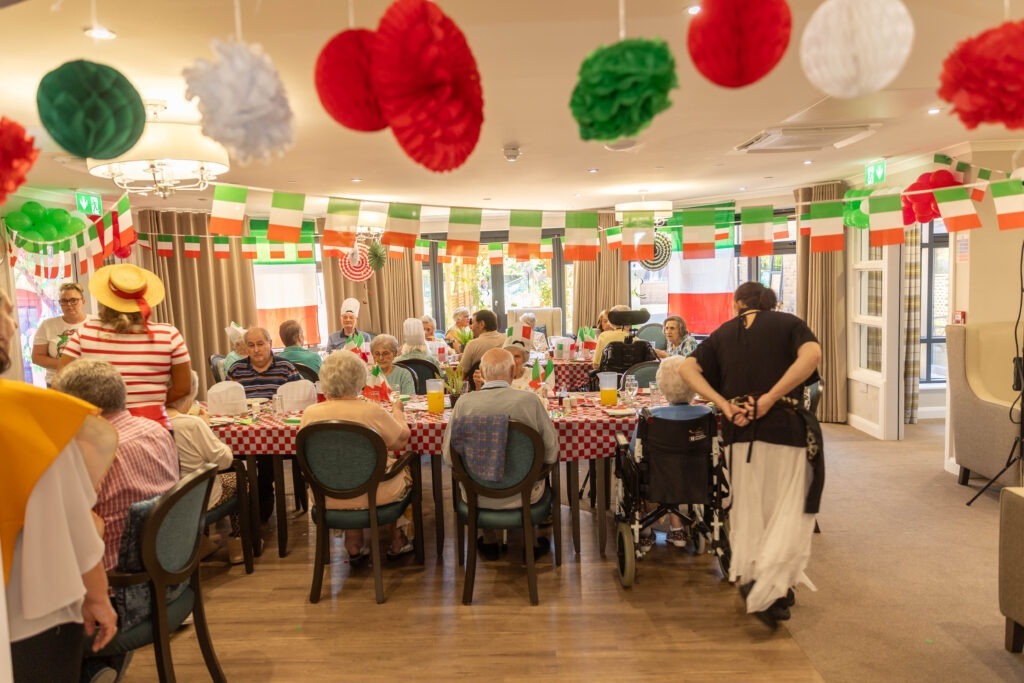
(934, 110)
(511, 152)
(693, 9)
(662, 209)
(807, 162)
(98, 32)
(357, 180)
(591, 170)
(743, 189)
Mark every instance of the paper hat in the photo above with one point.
(350, 305)
(412, 332)
(236, 332)
(517, 345)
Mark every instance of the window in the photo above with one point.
(867, 286)
(934, 300)
(527, 284)
(466, 283)
(36, 300)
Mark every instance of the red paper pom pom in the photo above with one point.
(342, 78)
(16, 156)
(427, 83)
(918, 203)
(737, 42)
(983, 77)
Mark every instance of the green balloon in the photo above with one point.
(67, 230)
(34, 210)
(16, 220)
(47, 231)
(59, 217)
(76, 225)
(30, 235)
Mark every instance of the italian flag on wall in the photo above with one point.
(464, 232)
(581, 237)
(826, 225)
(885, 218)
(495, 253)
(249, 248)
(698, 233)
(221, 247)
(421, 252)
(957, 209)
(342, 219)
(191, 246)
(165, 245)
(1008, 196)
(403, 225)
(286, 217)
(758, 225)
(524, 234)
(228, 211)
(637, 235)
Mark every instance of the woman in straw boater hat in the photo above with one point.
(152, 357)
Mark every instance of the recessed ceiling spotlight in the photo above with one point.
(807, 162)
(768, 177)
(357, 180)
(693, 9)
(592, 170)
(98, 32)
(934, 110)
(743, 189)
(659, 168)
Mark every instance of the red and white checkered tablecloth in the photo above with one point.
(572, 374)
(585, 433)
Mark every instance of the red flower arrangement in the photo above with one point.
(919, 204)
(17, 155)
(983, 77)
(736, 42)
(342, 79)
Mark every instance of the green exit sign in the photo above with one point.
(874, 173)
(88, 203)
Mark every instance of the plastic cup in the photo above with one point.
(608, 382)
(435, 396)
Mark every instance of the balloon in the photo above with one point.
(33, 210)
(16, 220)
(75, 225)
(30, 235)
(58, 217)
(47, 231)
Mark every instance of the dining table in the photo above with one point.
(586, 431)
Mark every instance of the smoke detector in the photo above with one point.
(511, 153)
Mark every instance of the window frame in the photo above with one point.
(928, 337)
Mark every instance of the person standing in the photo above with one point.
(760, 357)
(349, 320)
(53, 333)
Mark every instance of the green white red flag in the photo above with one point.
(221, 247)
(981, 184)
(403, 225)
(396, 251)
(495, 253)
(547, 248)
(637, 235)
(286, 217)
(1008, 196)
(421, 252)
(885, 218)
(581, 237)
(613, 238)
(341, 225)
(957, 209)
(698, 233)
(524, 234)
(228, 212)
(826, 226)
(758, 224)
(442, 253)
(249, 248)
(464, 232)
(165, 245)
(192, 248)
(305, 249)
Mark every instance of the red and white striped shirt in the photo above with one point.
(145, 466)
(144, 360)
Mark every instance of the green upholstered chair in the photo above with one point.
(653, 332)
(644, 372)
(238, 504)
(170, 539)
(215, 367)
(524, 465)
(341, 459)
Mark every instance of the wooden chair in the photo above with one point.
(422, 370)
(307, 372)
(170, 540)
(653, 332)
(644, 372)
(238, 504)
(341, 460)
(524, 466)
(216, 361)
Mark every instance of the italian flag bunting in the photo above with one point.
(547, 249)
(421, 252)
(396, 251)
(637, 235)
(249, 248)
(885, 218)
(495, 253)
(581, 236)
(228, 211)
(698, 233)
(97, 252)
(757, 224)
(1008, 196)
(524, 234)
(403, 225)
(276, 249)
(978, 191)
(780, 228)
(553, 219)
(342, 219)
(442, 253)
(826, 225)
(221, 247)
(613, 237)
(943, 160)
(305, 248)
(286, 217)
(124, 222)
(464, 232)
(191, 246)
(961, 170)
(804, 228)
(165, 245)
(957, 209)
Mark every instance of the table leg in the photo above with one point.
(282, 513)
(435, 480)
(556, 484)
(602, 503)
(254, 505)
(572, 489)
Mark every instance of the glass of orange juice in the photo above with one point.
(435, 396)
(609, 382)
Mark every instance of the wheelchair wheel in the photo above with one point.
(626, 554)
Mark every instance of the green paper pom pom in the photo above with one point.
(377, 256)
(622, 87)
(90, 109)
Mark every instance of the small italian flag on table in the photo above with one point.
(543, 376)
(376, 388)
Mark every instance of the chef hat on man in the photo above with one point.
(350, 305)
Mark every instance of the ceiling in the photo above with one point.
(528, 53)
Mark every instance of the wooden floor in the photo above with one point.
(681, 622)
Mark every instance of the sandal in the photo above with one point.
(358, 559)
(407, 548)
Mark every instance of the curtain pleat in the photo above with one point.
(601, 284)
(912, 326)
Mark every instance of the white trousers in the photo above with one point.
(769, 532)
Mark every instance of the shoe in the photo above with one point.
(207, 547)
(187, 621)
(120, 664)
(790, 597)
(745, 589)
(780, 609)
(542, 546)
(360, 558)
(235, 554)
(677, 537)
(488, 551)
(404, 550)
(646, 543)
(767, 618)
(97, 671)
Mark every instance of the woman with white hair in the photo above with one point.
(430, 329)
(538, 338)
(459, 334)
(342, 377)
(384, 348)
(415, 345)
(520, 376)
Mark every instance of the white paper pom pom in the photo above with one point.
(242, 101)
(855, 47)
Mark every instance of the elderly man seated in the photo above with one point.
(485, 336)
(349, 319)
(294, 339)
(146, 464)
(496, 397)
(262, 372)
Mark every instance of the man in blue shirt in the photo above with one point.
(349, 318)
(293, 340)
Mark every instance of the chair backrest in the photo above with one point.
(171, 536)
(644, 372)
(216, 360)
(653, 332)
(620, 356)
(297, 395)
(226, 398)
(307, 372)
(678, 455)
(469, 375)
(341, 459)
(524, 461)
(421, 369)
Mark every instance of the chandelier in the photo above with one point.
(167, 158)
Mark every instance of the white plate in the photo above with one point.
(620, 412)
(220, 420)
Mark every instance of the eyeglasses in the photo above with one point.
(382, 354)
(69, 302)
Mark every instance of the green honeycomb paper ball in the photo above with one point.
(90, 109)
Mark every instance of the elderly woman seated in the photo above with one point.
(415, 346)
(459, 334)
(384, 348)
(538, 340)
(678, 340)
(198, 445)
(678, 394)
(342, 378)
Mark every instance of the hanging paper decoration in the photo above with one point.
(193, 248)
(919, 204)
(698, 233)
(826, 224)
(524, 234)
(852, 48)
(228, 211)
(734, 43)
(886, 218)
(758, 224)
(983, 80)
(1008, 196)
(581, 241)
(356, 266)
(342, 222)
(662, 252)
(242, 101)
(957, 209)
(622, 87)
(286, 217)
(165, 245)
(17, 154)
(637, 235)
(464, 232)
(342, 78)
(377, 255)
(90, 109)
(403, 225)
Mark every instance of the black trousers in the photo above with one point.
(53, 656)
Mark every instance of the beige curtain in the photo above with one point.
(821, 302)
(204, 295)
(386, 299)
(599, 284)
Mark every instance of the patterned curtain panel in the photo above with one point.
(599, 284)
(912, 328)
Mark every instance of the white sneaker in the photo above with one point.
(646, 543)
(677, 537)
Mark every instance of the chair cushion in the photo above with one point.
(508, 519)
(141, 634)
(360, 519)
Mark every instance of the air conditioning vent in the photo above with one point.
(806, 139)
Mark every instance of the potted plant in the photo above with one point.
(453, 383)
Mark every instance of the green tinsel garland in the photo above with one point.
(377, 256)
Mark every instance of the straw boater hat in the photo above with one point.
(127, 288)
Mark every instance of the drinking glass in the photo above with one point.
(631, 386)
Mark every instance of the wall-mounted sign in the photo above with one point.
(874, 173)
(88, 203)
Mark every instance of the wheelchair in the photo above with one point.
(679, 466)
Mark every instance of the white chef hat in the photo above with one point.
(350, 305)
(236, 332)
(412, 332)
